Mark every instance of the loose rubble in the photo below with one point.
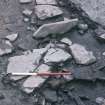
(5, 47)
(81, 55)
(56, 55)
(55, 28)
(47, 11)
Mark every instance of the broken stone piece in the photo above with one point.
(27, 12)
(56, 55)
(46, 2)
(101, 37)
(100, 100)
(24, 63)
(5, 47)
(47, 11)
(81, 55)
(25, 1)
(83, 27)
(12, 37)
(35, 81)
(55, 28)
(66, 41)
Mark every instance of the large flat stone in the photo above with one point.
(47, 11)
(81, 55)
(95, 9)
(55, 28)
(56, 55)
(24, 63)
(50, 2)
(35, 81)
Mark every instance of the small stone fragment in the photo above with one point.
(83, 27)
(67, 41)
(27, 12)
(26, 19)
(47, 11)
(5, 47)
(24, 63)
(100, 100)
(55, 28)
(101, 37)
(56, 55)
(50, 95)
(35, 81)
(12, 37)
(81, 55)
(25, 1)
(50, 2)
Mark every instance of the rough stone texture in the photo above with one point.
(35, 81)
(66, 41)
(81, 55)
(12, 37)
(47, 11)
(24, 63)
(56, 55)
(25, 1)
(5, 47)
(93, 8)
(55, 28)
(53, 2)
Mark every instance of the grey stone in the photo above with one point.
(93, 8)
(35, 81)
(56, 55)
(83, 27)
(12, 37)
(50, 95)
(55, 28)
(47, 11)
(53, 2)
(25, 1)
(81, 55)
(27, 12)
(5, 47)
(66, 41)
(26, 19)
(24, 63)
(100, 100)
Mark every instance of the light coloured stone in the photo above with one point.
(5, 47)
(35, 81)
(56, 55)
(100, 100)
(27, 12)
(24, 63)
(12, 37)
(53, 2)
(55, 28)
(47, 11)
(81, 55)
(102, 36)
(66, 41)
(95, 9)
(25, 1)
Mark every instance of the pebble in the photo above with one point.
(56, 28)
(25, 1)
(66, 41)
(83, 26)
(81, 55)
(100, 100)
(27, 12)
(26, 19)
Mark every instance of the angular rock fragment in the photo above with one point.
(35, 81)
(12, 37)
(5, 47)
(56, 55)
(25, 1)
(55, 28)
(50, 95)
(101, 37)
(81, 55)
(27, 12)
(47, 11)
(24, 63)
(93, 8)
(66, 41)
(50, 2)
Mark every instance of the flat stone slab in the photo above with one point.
(24, 63)
(55, 28)
(56, 55)
(81, 55)
(47, 11)
(93, 8)
(50, 2)
(35, 81)
(25, 1)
